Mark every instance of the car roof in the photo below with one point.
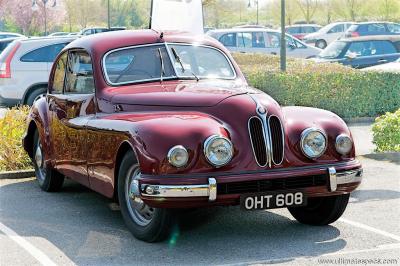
(374, 22)
(392, 38)
(303, 25)
(12, 39)
(10, 33)
(243, 29)
(48, 39)
(116, 39)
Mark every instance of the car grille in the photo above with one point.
(256, 131)
(277, 137)
(270, 149)
(271, 184)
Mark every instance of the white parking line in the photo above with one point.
(371, 229)
(36, 253)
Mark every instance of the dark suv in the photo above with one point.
(373, 28)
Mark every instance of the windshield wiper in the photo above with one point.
(162, 65)
(178, 59)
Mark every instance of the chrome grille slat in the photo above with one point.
(267, 139)
(258, 142)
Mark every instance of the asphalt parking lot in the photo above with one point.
(78, 226)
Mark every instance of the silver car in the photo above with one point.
(262, 40)
(25, 66)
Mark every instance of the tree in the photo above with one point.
(388, 9)
(308, 8)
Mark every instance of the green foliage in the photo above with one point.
(342, 90)
(12, 128)
(386, 132)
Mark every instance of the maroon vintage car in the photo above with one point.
(166, 121)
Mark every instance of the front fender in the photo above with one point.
(298, 119)
(152, 135)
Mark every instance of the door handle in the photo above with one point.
(382, 61)
(273, 53)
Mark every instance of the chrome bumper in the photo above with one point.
(182, 191)
(346, 177)
(210, 190)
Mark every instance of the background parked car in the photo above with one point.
(90, 31)
(301, 30)
(373, 28)
(5, 42)
(327, 34)
(361, 52)
(393, 67)
(61, 33)
(25, 66)
(258, 40)
(4, 35)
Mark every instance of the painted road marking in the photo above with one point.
(371, 229)
(36, 253)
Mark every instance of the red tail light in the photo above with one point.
(5, 66)
(355, 34)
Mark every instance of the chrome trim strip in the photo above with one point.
(283, 141)
(182, 191)
(163, 44)
(351, 176)
(332, 179)
(251, 139)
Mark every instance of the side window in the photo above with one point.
(308, 29)
(228, 40)
(336, 29)
(383, 47)
(44, 54)
(79, 74)
(251, 40)
(375, 28)
(273, 40)
(394, 28)
(59, 75)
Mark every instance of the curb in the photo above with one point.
(17, 174)
(356, 120)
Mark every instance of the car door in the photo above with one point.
(71, 104)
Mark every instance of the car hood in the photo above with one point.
(178, 93)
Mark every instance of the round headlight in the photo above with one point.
(218, 150)
(313, 142)
(178, 156)
(343, 144)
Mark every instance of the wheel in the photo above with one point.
(321, 44)
(145, 223)
(35, 94)
(49, 179)
(321, 211)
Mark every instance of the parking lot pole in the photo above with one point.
(108, 14)
(283, 37)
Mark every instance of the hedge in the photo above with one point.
(386, 132)
(12, 128)
(347, 92)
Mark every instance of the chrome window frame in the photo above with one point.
(165, 44)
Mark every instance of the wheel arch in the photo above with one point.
(29, 138)
(125, 147)
(32, 88)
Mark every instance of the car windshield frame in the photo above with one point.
(171, 58)
(338, 55)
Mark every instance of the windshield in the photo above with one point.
(166, 61)
(333, 50)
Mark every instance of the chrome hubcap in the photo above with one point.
(39, 157)
(140, 212)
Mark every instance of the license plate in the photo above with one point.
(272, 200)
